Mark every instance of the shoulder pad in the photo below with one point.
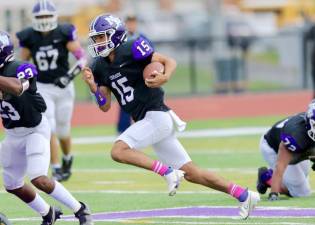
(290, 142)
(25, 36)
(141, 48)
(11, 67)
(96, 64)
(69, 31)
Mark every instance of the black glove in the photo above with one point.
(273, 196)
(313, 167)
(62, 82)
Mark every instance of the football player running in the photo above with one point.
(118, 69)
(25, 148)
(48, 44)
(287, 148)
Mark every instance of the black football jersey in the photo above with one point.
(49, 52)
(124, 77)
(24, 110)
(293, 132)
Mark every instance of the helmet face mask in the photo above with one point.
(6, 48)
(102, 47)
(44, 16)
(310, 119)
(106, 33)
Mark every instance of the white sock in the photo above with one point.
(67, 157)
(39, 205)
(61, 194)
(55, 166)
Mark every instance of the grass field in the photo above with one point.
(108, 186)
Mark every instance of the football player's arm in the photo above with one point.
(169, 68)
(25, 54)
(75, 48)
(78, 52)
(13, 85)
(102, 94)
(283, 160)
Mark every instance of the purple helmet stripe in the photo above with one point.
(44, 5)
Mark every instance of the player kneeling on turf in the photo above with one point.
(287, 148)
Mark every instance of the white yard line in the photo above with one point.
(207, 133)
(213, 169)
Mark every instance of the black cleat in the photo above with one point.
(66, 168)
(264, 174)
(84, 215)
(52, 216)
(57, 174)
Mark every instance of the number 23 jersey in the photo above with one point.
(49, 52)
(24, 110)
(124, 77)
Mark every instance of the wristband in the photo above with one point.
(101, 100)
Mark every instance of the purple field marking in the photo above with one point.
(202, 212)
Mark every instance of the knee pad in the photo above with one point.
(12, 183)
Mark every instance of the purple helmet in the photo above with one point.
(6, 48)
(310, 120)
(114, 31)
(44, 16)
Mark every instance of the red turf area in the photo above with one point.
(209, 107)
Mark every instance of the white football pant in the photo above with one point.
(60, 103)
(157, 129)
(25, 151)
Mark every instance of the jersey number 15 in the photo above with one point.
(125, 92)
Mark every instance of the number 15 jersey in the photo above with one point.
(124, 77)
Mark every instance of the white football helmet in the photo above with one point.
(44, 16)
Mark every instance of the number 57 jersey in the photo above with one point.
(292, 131)
(24, 110)
(49, 51)
(124, 77)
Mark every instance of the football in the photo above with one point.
(150, 68)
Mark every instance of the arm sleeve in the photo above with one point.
(23, 66)
(142, 49)
(293, 137)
